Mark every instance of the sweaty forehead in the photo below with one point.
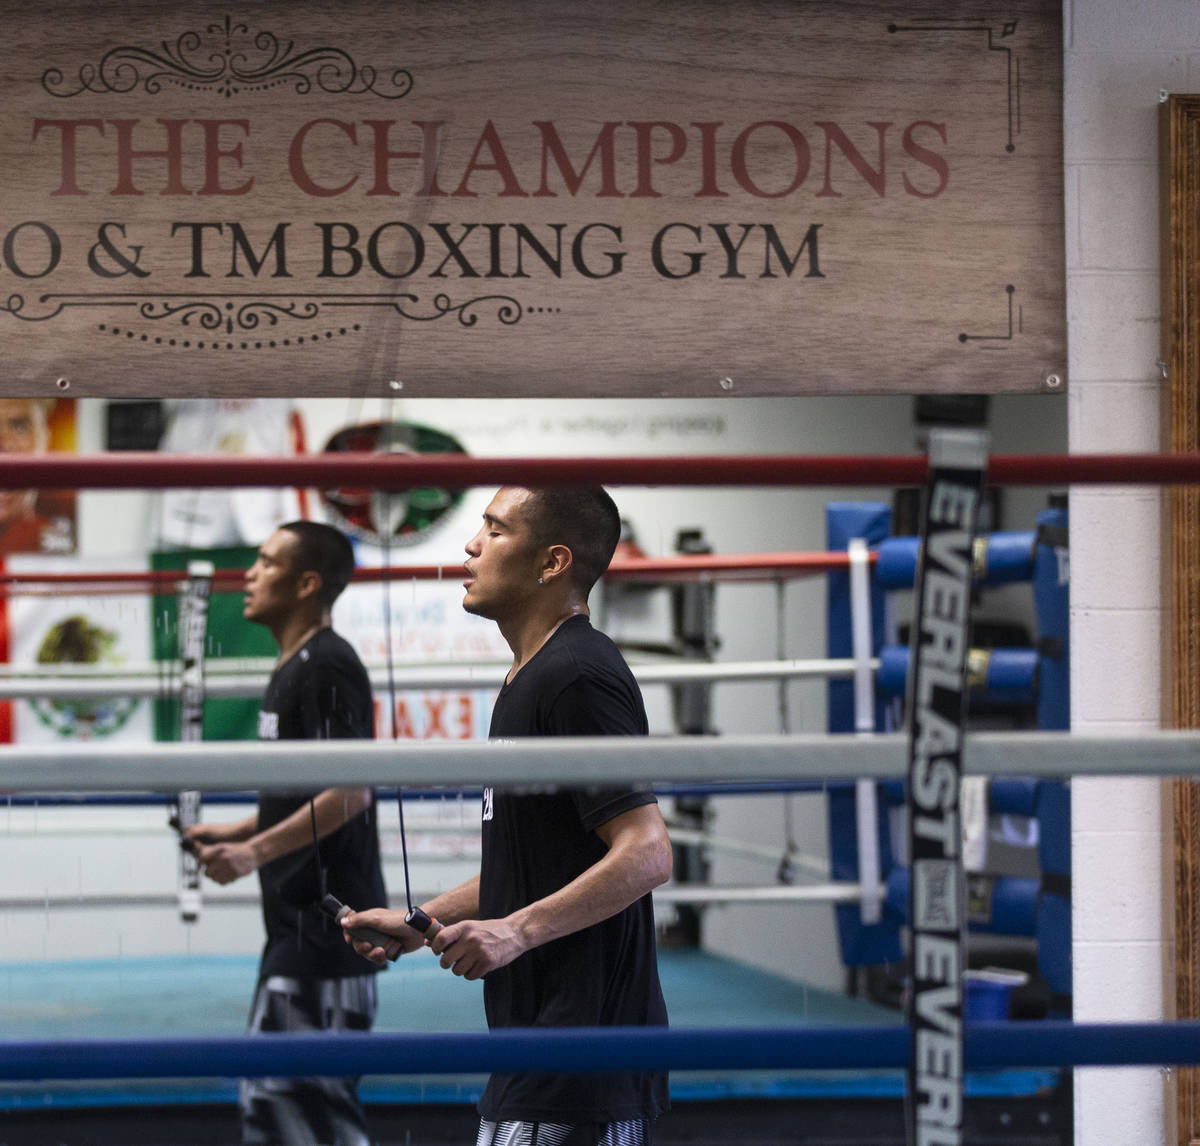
(280, 546)
(508, 507)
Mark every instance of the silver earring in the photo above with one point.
(540, 581)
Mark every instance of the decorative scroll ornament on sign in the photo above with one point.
(229, 59)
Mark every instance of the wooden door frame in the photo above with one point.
(1179, 157)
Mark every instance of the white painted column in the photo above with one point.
(1118, 57)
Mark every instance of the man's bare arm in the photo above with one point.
(225, 862)
(637, 861)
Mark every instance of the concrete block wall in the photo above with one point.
(1118, 58)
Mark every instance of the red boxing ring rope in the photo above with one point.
(700, 567)
(392, 471)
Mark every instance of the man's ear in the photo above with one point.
(557, 562)
(308, 584)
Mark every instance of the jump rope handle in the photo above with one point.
(186, 842)
(424, 924)
(337, 910)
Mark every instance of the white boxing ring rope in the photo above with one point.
(227, 766)
(101, 768)
(817, 893)
(92, 684)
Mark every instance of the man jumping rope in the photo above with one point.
(559, 922)
(307, 980)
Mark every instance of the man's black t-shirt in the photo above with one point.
(577, 684)
(321, 692)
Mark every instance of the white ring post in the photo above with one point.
(866, 798)
(193, 632)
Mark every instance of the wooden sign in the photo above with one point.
(531, 199)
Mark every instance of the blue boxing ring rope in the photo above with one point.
(989, 1045)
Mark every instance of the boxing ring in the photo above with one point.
(434, 1056)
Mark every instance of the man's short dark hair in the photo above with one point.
(583, 518)
(325, 551)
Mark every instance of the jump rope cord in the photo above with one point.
(381, 351)
(386, 352)
(385, 531)
(391, 680)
